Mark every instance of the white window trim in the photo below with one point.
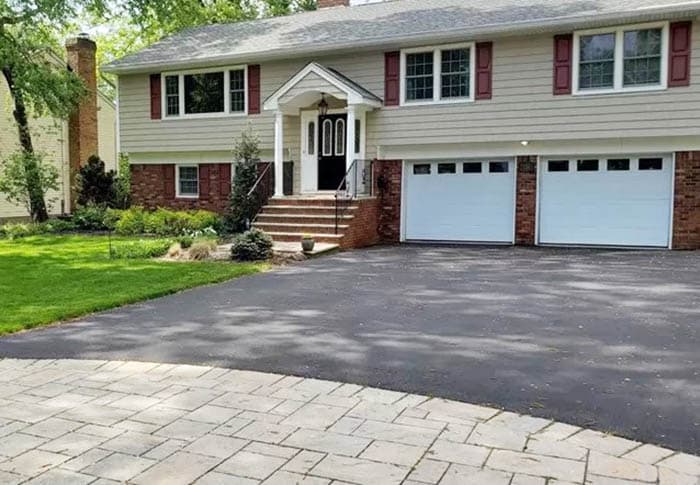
(227, 93)
(177, 181)
(437, 74)
(618, 86)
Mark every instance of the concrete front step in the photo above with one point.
(291, 227)
(296, 237)
(302, 218)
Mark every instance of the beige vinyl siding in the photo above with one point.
(523, 108)
(49, 137)
(107, 131)
(138, 133)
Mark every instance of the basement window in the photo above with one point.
(187, 181)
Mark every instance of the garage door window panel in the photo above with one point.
(618, 165)
(558, 166)
(587, 165)
(651, 164)
(471, 167)
(447, 168)
(498, 167)
(421, 169)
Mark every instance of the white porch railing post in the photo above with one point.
(279, 154)
(350, 146)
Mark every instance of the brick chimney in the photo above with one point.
(82, 125)
(332, 3)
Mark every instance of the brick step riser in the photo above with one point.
(305, 210)
(297, 238)
(277, 219)
(303, 202)
(298, 229)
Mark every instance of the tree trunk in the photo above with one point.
(36, 194)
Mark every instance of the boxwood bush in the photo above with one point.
(252, 245)
(141, 249)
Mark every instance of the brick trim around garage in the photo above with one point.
(387, 178)
(525, 200)
(686, 203)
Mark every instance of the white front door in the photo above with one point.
(309, 151)
(622, 200)
(469, 201)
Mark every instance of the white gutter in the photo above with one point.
(559, 24)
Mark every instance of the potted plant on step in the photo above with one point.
(307, 243)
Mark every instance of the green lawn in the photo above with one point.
(44, 279)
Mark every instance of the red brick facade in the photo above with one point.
(363, 228)
(686, 204)
(153, 186)
(387, 179)
(526, 200)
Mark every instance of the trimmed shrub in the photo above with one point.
(252, 245)
(90, 218)
(14, 230)
(55, 226)
(141, 249)
(130, 222)
(185, 241)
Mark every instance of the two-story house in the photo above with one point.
(558, 122)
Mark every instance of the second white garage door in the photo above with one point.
(606, 201)
(466, 201)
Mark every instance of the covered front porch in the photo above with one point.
(321, 125)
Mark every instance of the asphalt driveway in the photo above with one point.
(603, 339)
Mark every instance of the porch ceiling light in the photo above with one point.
(323, 105)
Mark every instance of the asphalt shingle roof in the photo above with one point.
(396, 22)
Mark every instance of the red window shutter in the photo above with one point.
(169, 181)
(484, 68)
(155, 97)
(392, 68)
(225, 179)
(679, 54)
(204, 186)
(563, 56)
(254, 89)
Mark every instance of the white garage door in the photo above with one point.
(471, 201)
(606, 201)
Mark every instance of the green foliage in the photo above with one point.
(90, 218)
(162, 222)
(185, 241)
(95, 184)
(252, 245)
(141, 249)
(243, 207)
(15, 230)
(122, 184)
(130, 221)
(25, 178)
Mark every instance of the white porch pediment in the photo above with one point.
(305, 88)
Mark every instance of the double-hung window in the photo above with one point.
(631, 58)
(187, 181)
(204, 93)
(437, 74)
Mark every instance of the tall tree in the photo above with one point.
(37, 80)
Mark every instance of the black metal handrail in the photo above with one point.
(357, 182)
(262, 189)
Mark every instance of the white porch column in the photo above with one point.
(279, 154)
(350, 136)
